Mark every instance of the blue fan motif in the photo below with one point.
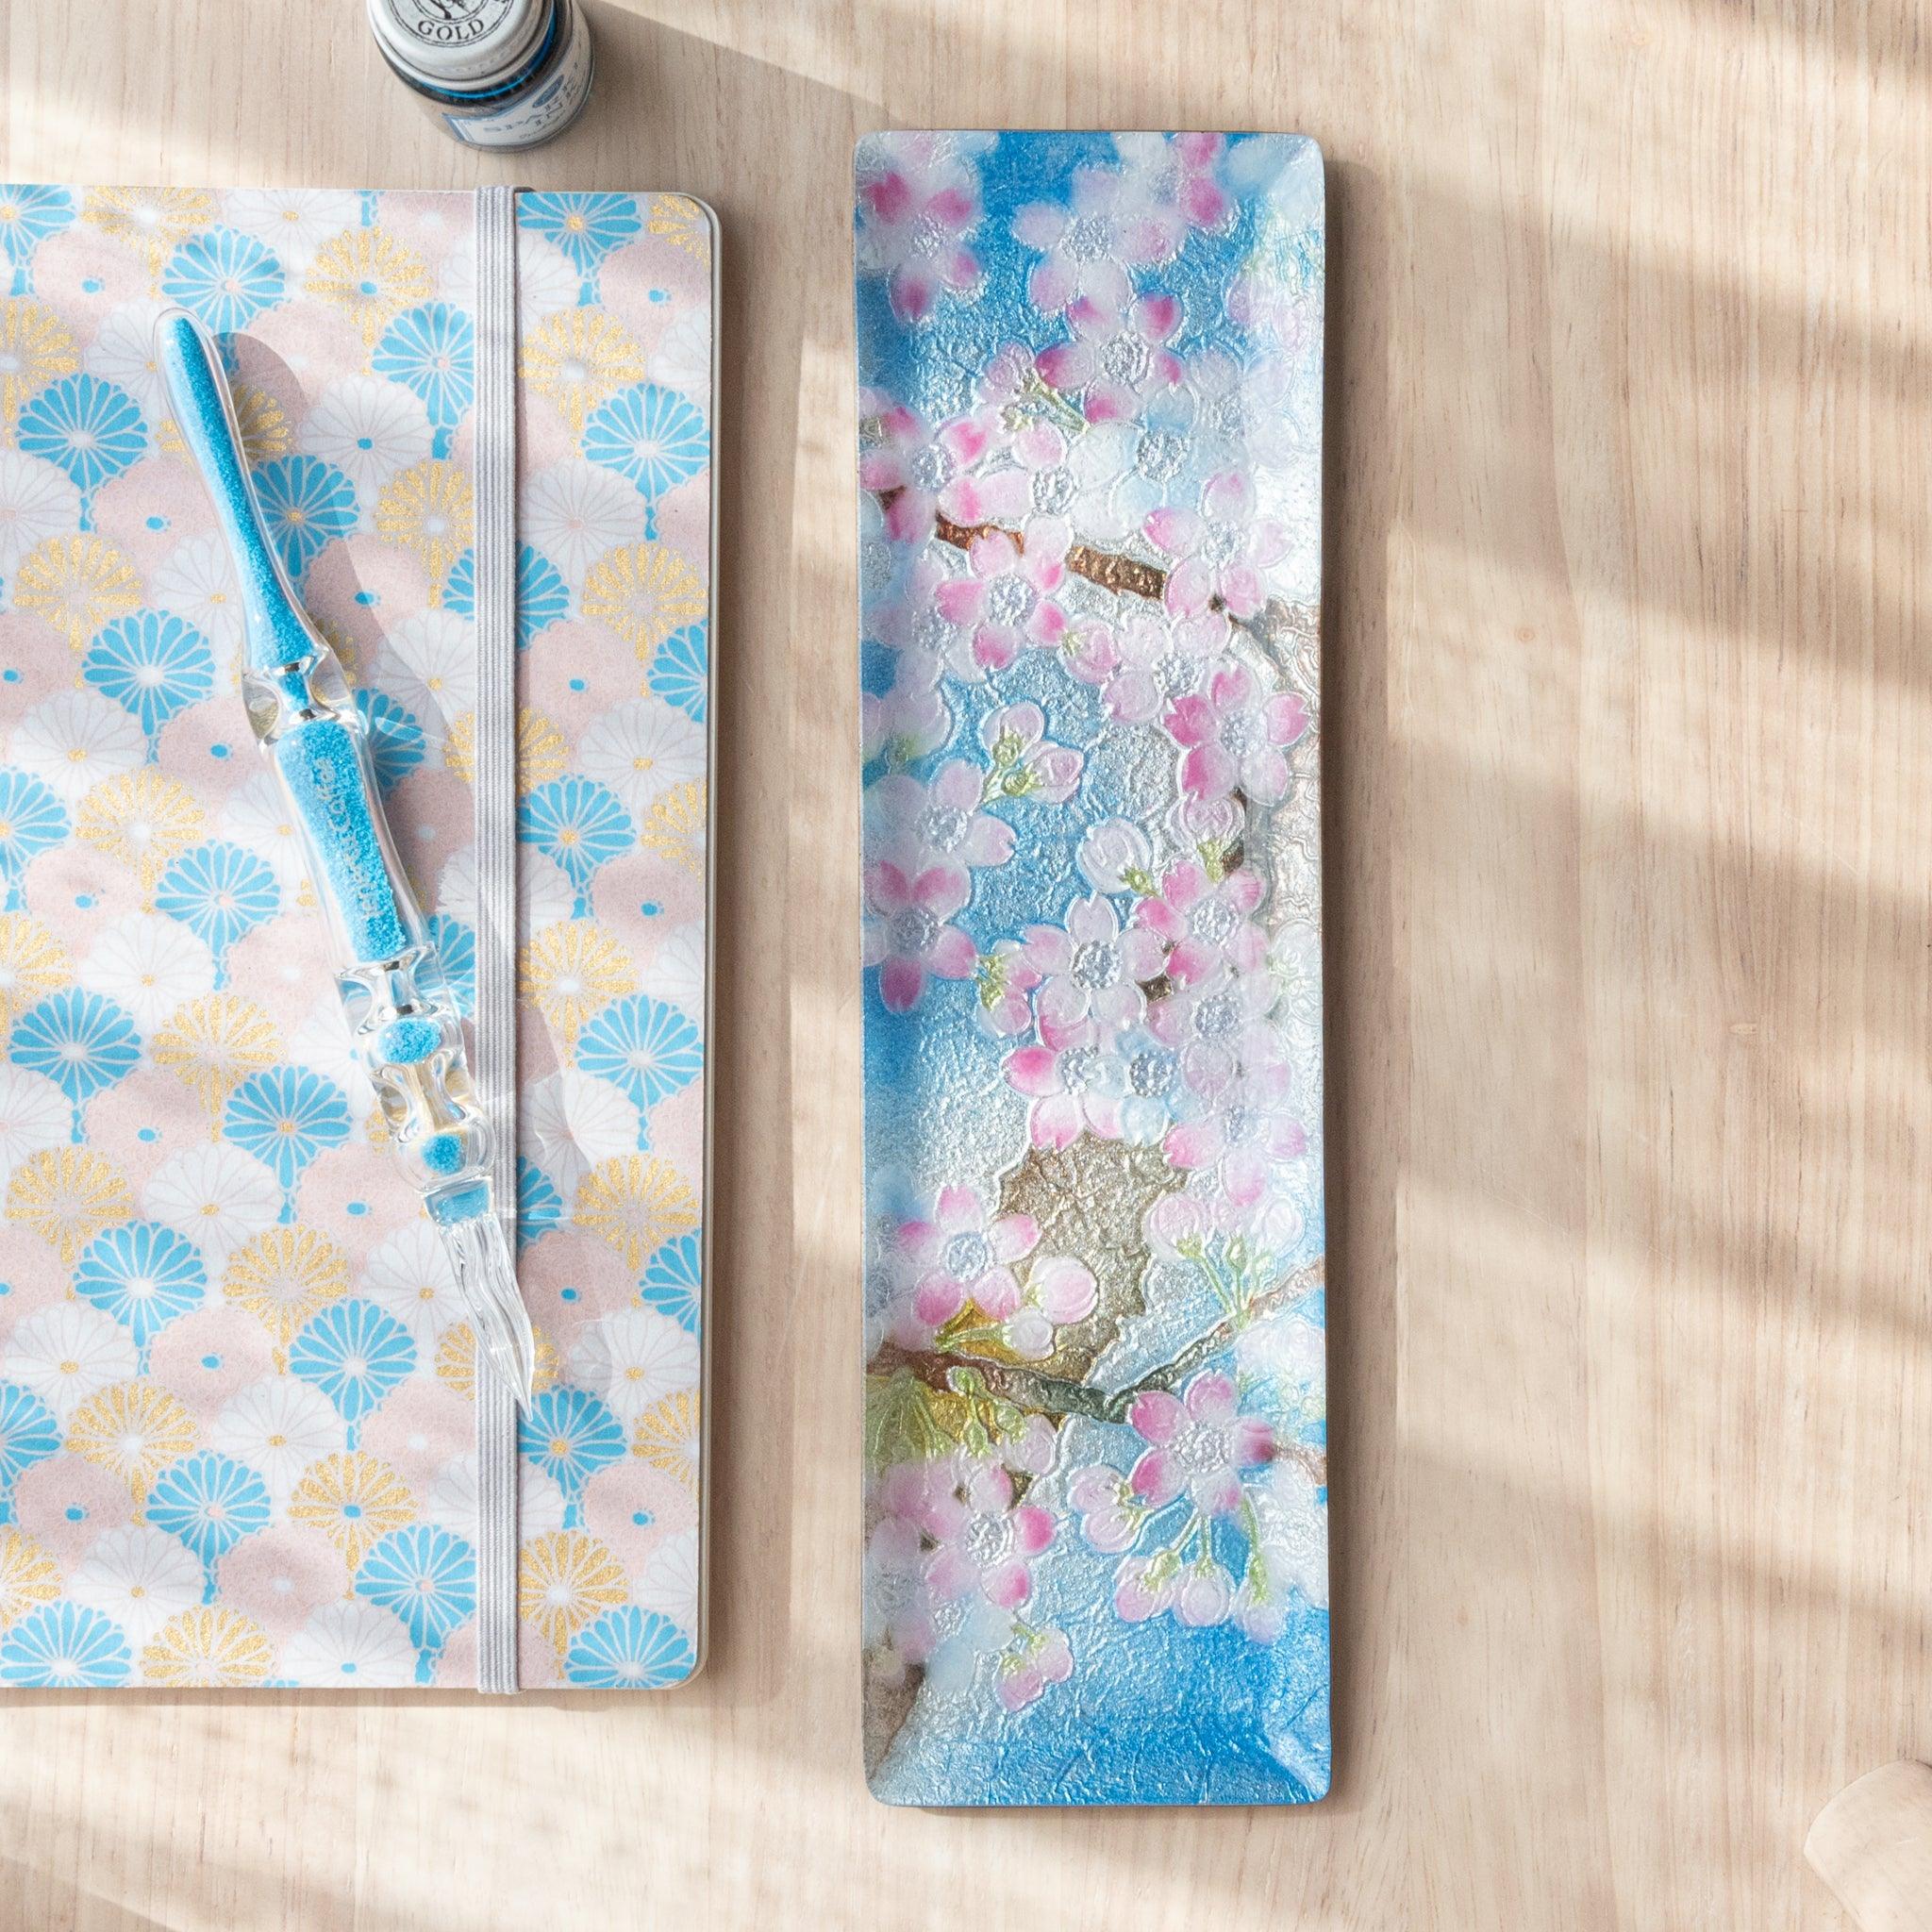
(543, 596)
(587, 227)
(395, 740)
(456, 953)
(630, 1649)
(431, 350)
(28, 1434)
(90, 428)
(579, 823)
(285, 1116)
(673, 1280)
(29, 212)
(209, 1502)
(220, 892)
(654, 437)
(143, 1275)
(642, 1045)
(570, 1433)
(539, 1207)
(153, 665)
(32, 820)
(64, 1646)
(680, 672)
(428, 1577)
(356, 1354)
(225, 277)
(308, 504)
(80, 1041)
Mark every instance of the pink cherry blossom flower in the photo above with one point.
(1009, 596)
(905, 617)
(1005, 982)
(985, 1540)
(1211, 826)
(1179, 168)
(1090, 969)
(1197, 1591)
(1197, 193)
(1116, 361)
(1246, 1137)
(1104, 480)
(1109, 228)
(920, 474)
(899, 1601)
(1198, 1443)
(906, 935)
(1026, 762)
(1216, 1024)
(1110, 1514)
(1234, 735)
(1116, 856)
(1058, 1291)
(965, 1253)
(1203, 923)
(1039, 1658)
(1146, 664)
(939, 823)
(1075, 1086)
(1220, 550)
(904, 722)
(1248, 413)
(917, 200)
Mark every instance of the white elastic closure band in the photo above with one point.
(496, 892)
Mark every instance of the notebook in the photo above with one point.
(1090, 373)
(240, 1443)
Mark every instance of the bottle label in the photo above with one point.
(530, 118)
(451, 22)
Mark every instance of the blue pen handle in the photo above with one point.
(406, 1030)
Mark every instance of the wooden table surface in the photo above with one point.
(1629, 733)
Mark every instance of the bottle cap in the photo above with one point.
(463, 46)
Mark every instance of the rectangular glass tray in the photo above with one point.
(1089, 463)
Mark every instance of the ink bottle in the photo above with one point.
(497, 74)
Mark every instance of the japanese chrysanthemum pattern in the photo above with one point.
(1091, 371)
(237, 1422)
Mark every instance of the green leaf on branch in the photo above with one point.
(909, 1421)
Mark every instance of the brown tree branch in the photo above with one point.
(1059, 1395)
(1113, 571)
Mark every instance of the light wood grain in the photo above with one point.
(1629, 728)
